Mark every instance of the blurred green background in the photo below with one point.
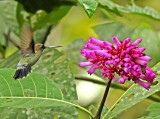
(70, 24)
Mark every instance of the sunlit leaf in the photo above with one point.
(134, 9)
(154, 112)
(89, 6)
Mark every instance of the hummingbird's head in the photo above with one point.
(39, 47)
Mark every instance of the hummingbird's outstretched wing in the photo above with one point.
(27, 42)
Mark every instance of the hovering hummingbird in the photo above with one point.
(31, 53)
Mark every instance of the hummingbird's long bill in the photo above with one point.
(52, 46)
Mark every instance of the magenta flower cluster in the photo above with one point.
(126, 59)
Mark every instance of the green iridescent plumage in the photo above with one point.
(31, 53)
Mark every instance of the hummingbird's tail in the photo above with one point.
(22, 71)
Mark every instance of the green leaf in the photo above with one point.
(134, 9)
(42, 18)
(39, 113)
(150, 40)
(21, 15)
(154, 111)
(34, 86)
(7, 19)
(132, 96)
(11, 61)
(34, 91)
(89, 6)
(67, 112)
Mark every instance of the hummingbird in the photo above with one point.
(31, 52)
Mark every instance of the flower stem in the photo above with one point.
(98, 114)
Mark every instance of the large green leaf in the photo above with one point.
(89, 6)
(39, 113)
(154, 112)
(34, 91)
(134, 9)
(132, 96)
(35, 86)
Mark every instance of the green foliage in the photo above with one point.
(50, 92)
(37, 113)
(73, 49)
(11, 61)
(154, 112)
(34, 91)
(89, 6)
(8, 22)
(34, 87)
(58, 72)
(133, 9)
(150, 41)
(42, 18)
(35, 5)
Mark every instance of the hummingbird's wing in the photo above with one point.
(27, 42)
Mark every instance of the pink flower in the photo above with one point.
(126, 59)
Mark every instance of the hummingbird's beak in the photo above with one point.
(52, 46)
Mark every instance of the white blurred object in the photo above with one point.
(88, 92)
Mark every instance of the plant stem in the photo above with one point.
(98, 114)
